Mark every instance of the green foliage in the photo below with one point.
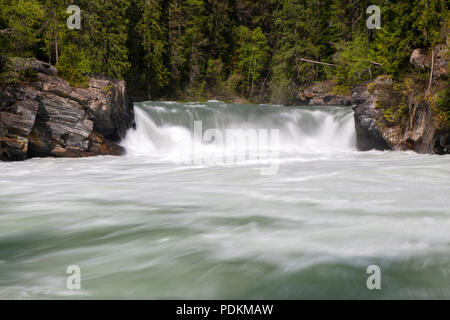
(396, 114)
(393, 100)
(354, 61)
(171, 48)
(214, 72)
(431, 14)
(341, 90)
(74, 65)
(104, 35)
(20, 21)
(232, 84)
(253, 55)
(153, 39)
(407, 25)
(14, 71)
(302, 29)
(108, 88)
(28, 75)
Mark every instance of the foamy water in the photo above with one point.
(147, 226)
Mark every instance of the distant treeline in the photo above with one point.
(258, 49)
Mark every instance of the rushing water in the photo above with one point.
(149, 226)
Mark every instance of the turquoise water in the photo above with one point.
(145, 226)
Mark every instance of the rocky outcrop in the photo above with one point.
(421, 60)
(369, 134)
(45, 117)
(405, 118)
(321, 94)
(418, 132)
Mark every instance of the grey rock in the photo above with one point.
(18, 110)
(421, 60)
(372, 131)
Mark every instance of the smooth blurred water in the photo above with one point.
(143, 227)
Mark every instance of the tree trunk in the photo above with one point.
(431, 72)
(264, 83)
(56, 40)
(318, 62)
(56, 49)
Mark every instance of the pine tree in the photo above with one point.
(55, 28)
(300, 26)
(20, 26)
(104, 34)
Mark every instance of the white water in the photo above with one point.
(142, 226)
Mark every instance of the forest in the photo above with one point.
(260, 51)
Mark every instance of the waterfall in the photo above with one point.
(167, 128)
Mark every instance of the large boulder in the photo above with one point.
(421, 60)
(45, 116)
(440, 67)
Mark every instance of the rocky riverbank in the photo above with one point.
(41, 115)
(322, 94)
(412, 126)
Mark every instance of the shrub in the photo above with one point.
(441, 107)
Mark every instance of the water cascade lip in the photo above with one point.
(165, 130)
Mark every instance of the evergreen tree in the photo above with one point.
(302, 27)
(151, 34)
(189, 48)
(103, 35)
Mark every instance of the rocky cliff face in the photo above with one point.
(321, 94)
(417, 132)
(46, 117)
(369, 134)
